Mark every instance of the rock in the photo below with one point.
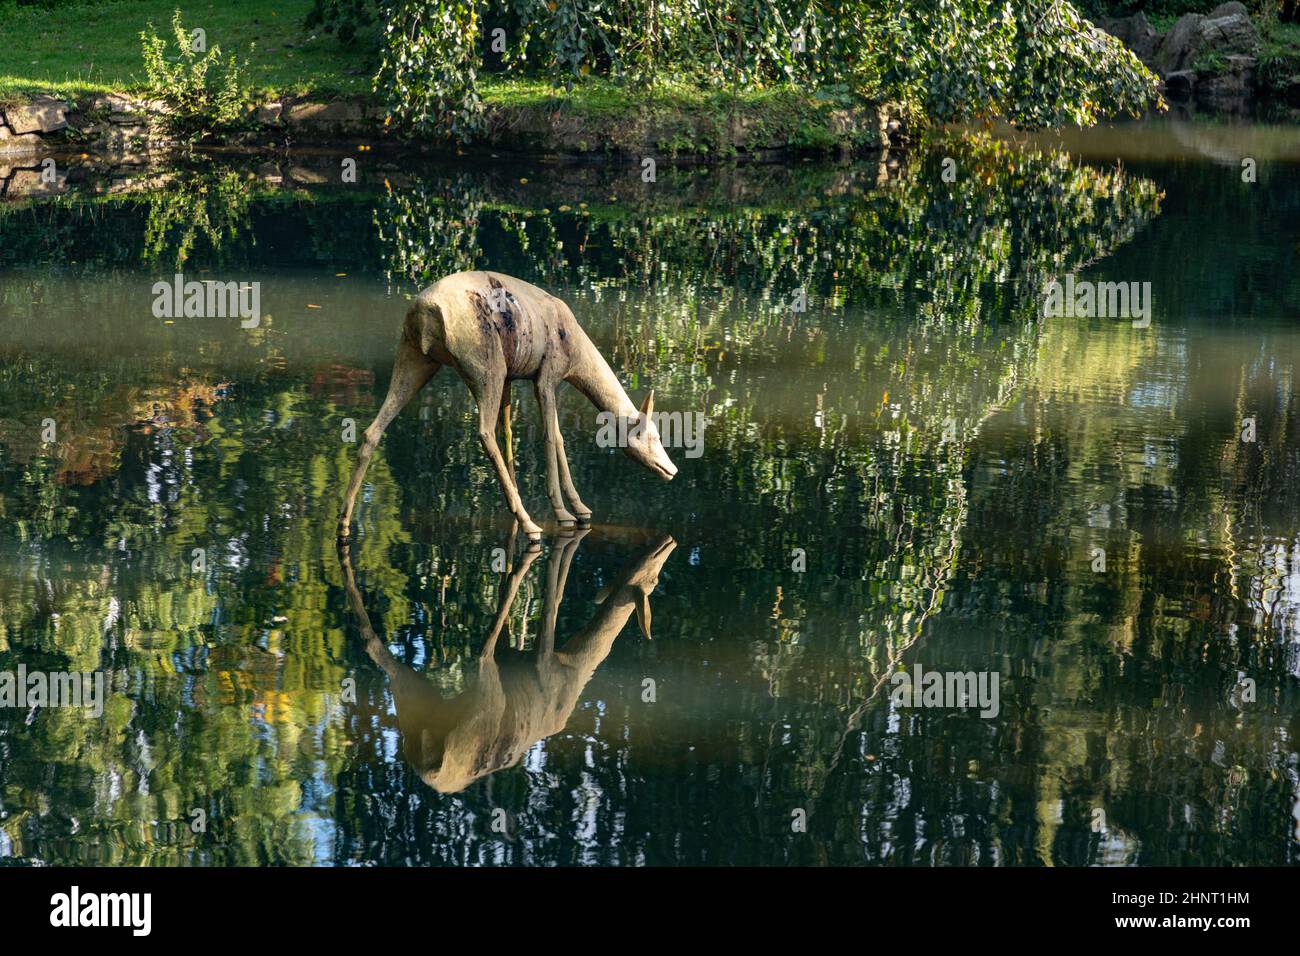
(127, 140)
(113, 102)
(1233, 35)
(119, 103)
(270, 173)
(44, 114)
(1230, 90)
(269, 114)
(301, 174)
(1194, 36)
(1227, 10)
(340, 117)
(31, 182)
(1174, 53)
(1181, 84)
(81, 122)
(18, 144)
(1135, 32)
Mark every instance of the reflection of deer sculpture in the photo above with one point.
(492, 329)
(525, 696)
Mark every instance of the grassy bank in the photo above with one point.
(1279, 60)
(92, 48)
(673, 118)
(95, 47)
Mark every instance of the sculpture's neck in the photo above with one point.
(594, 378)
(591, 645)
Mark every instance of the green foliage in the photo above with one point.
(215, 208)
(202, 88)
(1212, 62)
(1037, 63)
(343, 18)
(1279, 60)
(428, 70)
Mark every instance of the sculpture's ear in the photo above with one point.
(648, 406)
(643, 613)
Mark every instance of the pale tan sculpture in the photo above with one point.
(514, 698)
(492, 329)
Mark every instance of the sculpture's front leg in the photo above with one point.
(551, 429)
(580, 511)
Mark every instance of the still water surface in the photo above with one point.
(918, 469)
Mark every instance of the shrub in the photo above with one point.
(201, 86)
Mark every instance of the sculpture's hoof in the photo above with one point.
(584, 520)
(568, 527)
(344, 537)
(534, 544)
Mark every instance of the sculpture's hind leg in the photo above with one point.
(487, 389)
(410, 373)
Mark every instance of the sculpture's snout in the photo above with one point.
(662, 465)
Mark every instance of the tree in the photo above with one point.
(1036, 63)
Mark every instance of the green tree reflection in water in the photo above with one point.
(857, 432)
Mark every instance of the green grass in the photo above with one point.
(691, 118)
(95, 47)
(1279, 60)
(599, 96)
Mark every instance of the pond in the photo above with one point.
(907, 464)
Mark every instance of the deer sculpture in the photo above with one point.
(493, 329)
(514, 698)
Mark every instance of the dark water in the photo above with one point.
(918, 469)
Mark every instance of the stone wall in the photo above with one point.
(126, 127)
(131, 129)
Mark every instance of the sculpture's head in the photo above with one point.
(644, 444)
(639, 578)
